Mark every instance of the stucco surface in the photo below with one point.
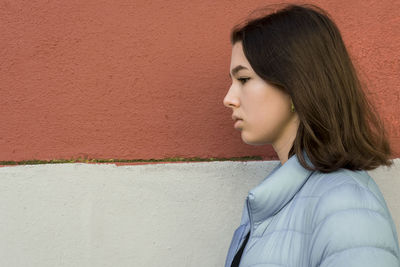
(146, 79)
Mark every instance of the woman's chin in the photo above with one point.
(252, 140)
(248, 139)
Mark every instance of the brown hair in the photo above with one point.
(299, 49)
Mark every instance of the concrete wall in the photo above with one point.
(147, 215)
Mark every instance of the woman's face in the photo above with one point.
(263, 108)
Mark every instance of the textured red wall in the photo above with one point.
(146, 79)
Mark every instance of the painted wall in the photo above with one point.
(145, 80)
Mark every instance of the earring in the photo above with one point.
(292, 107)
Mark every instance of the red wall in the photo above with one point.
(146, 79)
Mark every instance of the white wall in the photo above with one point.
(177, 214)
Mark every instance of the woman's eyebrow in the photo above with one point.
(236, 70)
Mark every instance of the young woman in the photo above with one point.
(294, 86)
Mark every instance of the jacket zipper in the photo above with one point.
(250, 217)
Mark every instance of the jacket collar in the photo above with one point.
(277, 189)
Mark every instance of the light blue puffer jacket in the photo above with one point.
(301, 218)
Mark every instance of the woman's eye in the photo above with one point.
(243, 80)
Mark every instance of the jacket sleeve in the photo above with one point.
(352, 227)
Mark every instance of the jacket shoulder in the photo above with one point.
(351, 219)
(345, 189)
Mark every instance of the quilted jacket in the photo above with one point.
(302, 218)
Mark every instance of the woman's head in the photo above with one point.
(296, 55)
(264, 110)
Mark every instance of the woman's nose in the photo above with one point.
(230, 100)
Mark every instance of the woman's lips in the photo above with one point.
(237, 123)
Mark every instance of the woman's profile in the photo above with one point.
(294, 86)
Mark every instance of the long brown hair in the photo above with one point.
(299, 49)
